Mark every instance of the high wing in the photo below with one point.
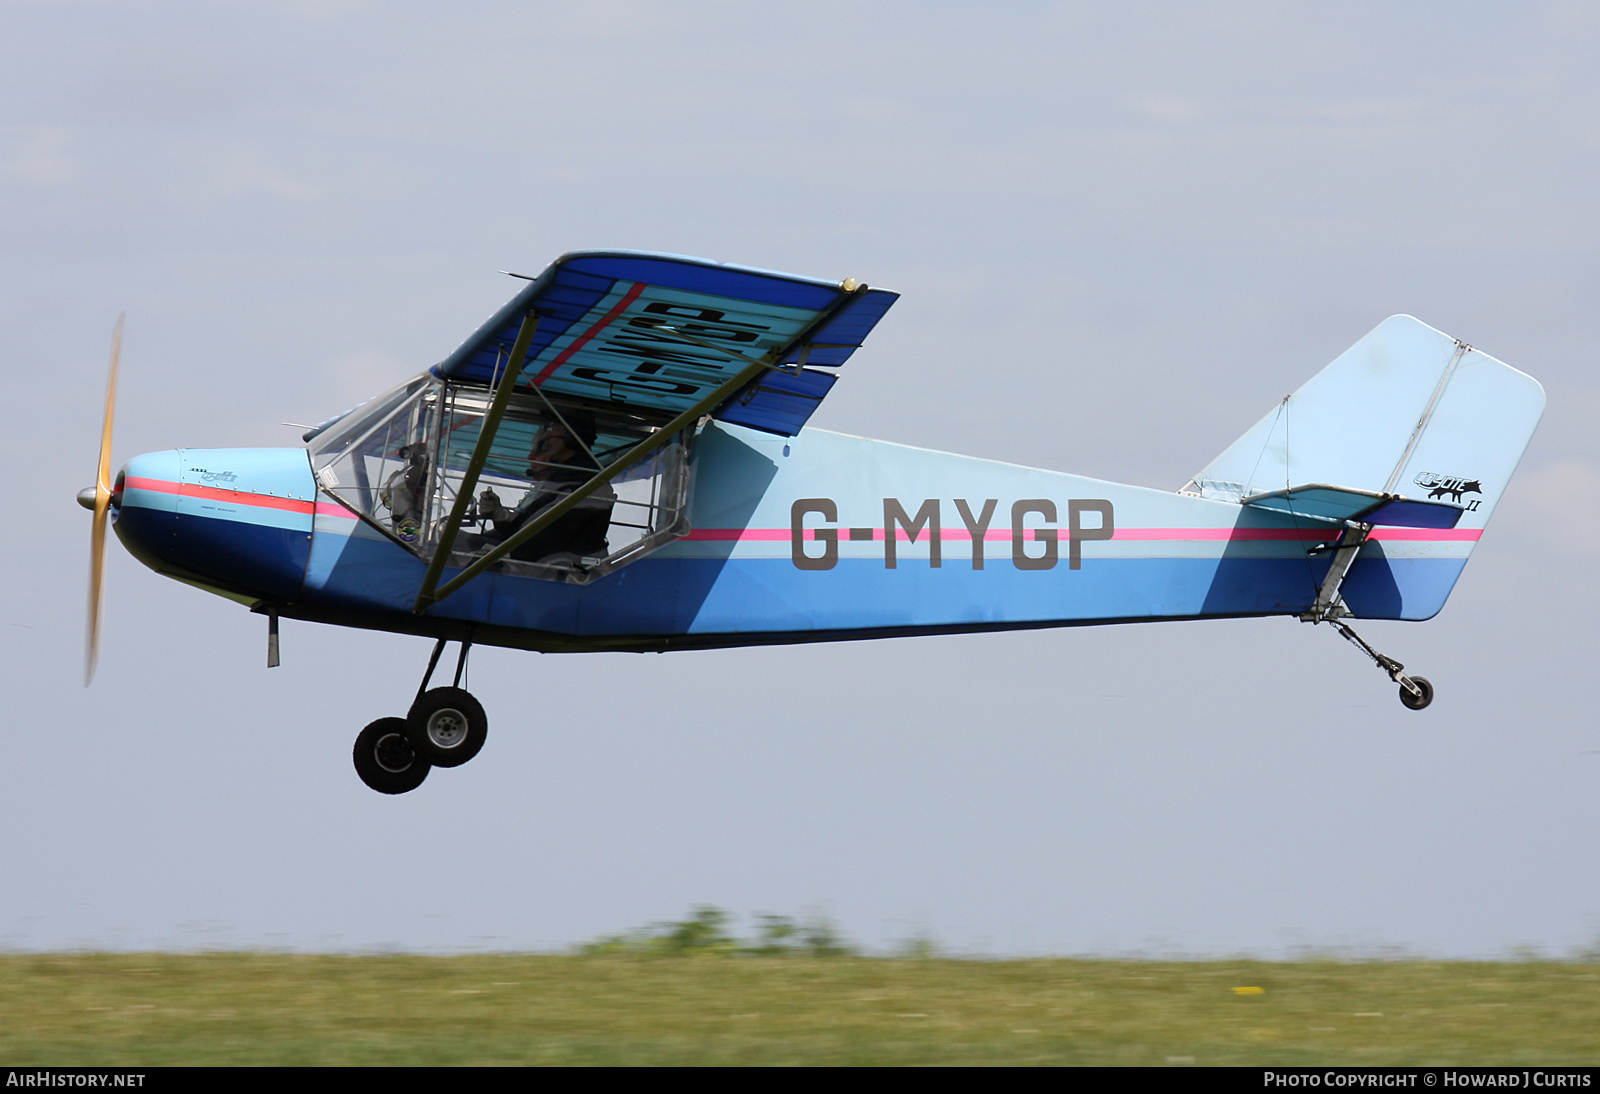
(660, 332)
(664, 334)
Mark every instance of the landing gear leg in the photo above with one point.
(1415, 691)
(447, 726)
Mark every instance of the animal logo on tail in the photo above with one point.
(1438, 486)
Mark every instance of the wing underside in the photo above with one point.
(659, 333)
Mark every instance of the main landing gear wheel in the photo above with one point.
(447, 726)
(385, 759)
(1417, 702)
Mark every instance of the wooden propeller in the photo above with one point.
(102, 505)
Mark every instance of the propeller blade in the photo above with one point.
(102, 505)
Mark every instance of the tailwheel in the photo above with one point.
(1415, 691)
(1421, 697)
(447, 726)
(385, 759)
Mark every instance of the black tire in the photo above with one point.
(1417, 702)
(447, 726)
(385, 759)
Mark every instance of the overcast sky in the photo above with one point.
(1122, 233)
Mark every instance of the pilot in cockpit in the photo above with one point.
(557, 463)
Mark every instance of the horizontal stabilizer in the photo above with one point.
(1337, 504)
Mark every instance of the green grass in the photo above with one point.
(230, 1008)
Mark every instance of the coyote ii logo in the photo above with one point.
(1438, 486)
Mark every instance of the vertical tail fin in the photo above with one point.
(1407, 411)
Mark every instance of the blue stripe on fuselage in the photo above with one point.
(704, 596)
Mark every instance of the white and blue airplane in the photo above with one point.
(619, 459)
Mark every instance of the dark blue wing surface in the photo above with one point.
(659, 332)
(779, 402)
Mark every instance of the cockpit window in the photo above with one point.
(375, 460)
(401, 465)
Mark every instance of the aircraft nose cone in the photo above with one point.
(237, 521)
(86, 496)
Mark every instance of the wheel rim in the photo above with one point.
(447, 728)
(393, 753)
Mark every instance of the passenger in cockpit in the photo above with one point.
(557, 464)
(403, 491)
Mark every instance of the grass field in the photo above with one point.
(231, 1008)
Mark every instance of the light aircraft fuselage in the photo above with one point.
(619, 459)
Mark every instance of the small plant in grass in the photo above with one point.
(705, 933)
(815, 936)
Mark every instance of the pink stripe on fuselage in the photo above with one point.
(211, 493)
(1471, 535)
(752, 535)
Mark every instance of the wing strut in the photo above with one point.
(480, 455)
(427, 596)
